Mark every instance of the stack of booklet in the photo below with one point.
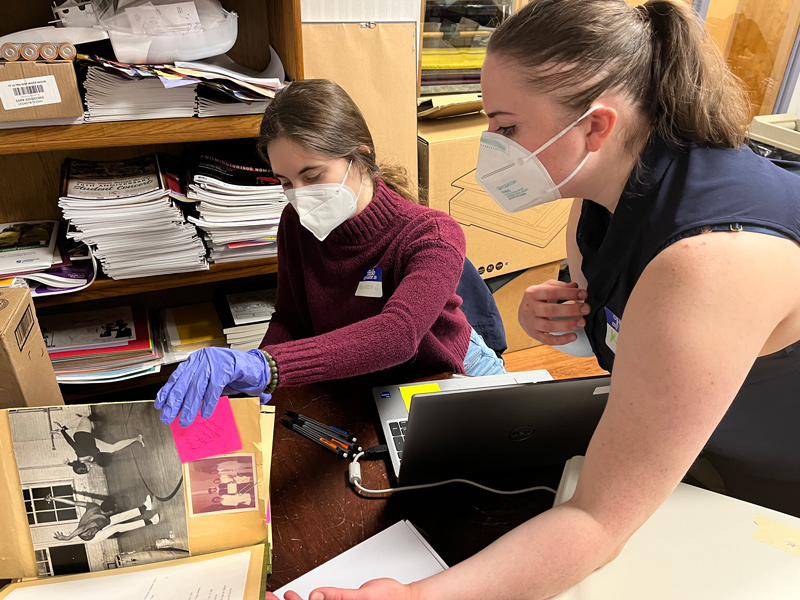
(123, 210)
(238, 200)
(189, 328)
(105, 501)
(245, 317)
(117, 95)
(227, 88)
(35, 254)
(215, 87)
(101, 346)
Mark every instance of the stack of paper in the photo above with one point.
(100, 346)
(123, 210)
(192, 327)
(399, 552)
(228, 88)
(245, 317)
(214, 87)
(33, 254)
(113, 96)
(239, 201)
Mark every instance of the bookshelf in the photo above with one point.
(127, 133)
(31, 158)
(109, 288)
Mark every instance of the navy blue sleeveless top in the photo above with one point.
(676, 193)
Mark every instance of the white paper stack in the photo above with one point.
(239, 202)
(246, 316)
(112, 97)
(123, 211)
(213, 104)
(250, 94)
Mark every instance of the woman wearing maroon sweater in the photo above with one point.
(366, 280)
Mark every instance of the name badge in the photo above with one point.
(612, 330)
(371, 284)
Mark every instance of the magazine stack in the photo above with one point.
(239, 202)
(34, 254)
(123, 210)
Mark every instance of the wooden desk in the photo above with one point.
(316, 515)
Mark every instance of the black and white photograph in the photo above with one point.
(225, 483)
(102, 486)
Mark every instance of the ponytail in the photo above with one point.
(397, 179)
(658, 54)
(695, 97)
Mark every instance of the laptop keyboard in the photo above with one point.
(398, 430)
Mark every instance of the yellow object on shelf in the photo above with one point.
(452, 58)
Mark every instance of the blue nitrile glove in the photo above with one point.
(208, 373)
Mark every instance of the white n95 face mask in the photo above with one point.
(322, 207)
(513, 176)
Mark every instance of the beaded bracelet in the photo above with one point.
(273, 373)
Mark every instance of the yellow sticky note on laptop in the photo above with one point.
(409, 390)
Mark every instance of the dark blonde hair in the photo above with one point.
(657, 53)
(319, 116)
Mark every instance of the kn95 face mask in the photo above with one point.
(322, 207)
(513, 176)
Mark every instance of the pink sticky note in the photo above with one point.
(208, 437)
(269, 514)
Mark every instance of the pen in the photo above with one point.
(348, 447)
(337, 439)
(301, 418)
(318, 440)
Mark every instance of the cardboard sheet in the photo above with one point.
(377, 67)
(438, 107)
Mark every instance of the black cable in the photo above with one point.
(144, 481)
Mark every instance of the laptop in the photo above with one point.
(471, 426)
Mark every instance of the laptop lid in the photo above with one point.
(468, 433)
(392, 401)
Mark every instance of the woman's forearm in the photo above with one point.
(544, 556)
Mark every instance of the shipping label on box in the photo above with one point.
(34, 91)
(38, 90)
(497, 242)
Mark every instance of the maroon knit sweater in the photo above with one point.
(322, 331)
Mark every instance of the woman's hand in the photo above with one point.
(540, 315)
(61, 537)
(198, 382)
(377, 589)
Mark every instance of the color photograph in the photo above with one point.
(224, 483)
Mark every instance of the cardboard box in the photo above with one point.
(26, 374)
(508, 297)
(38, 90)
(376, 65)
(497, 242)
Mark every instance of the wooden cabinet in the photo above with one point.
(30, 159)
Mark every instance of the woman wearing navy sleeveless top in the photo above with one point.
(687, 268)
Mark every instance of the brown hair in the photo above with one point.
(657, 53)
(319, 116)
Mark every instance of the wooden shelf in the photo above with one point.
(127, 133)
(108, 288)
